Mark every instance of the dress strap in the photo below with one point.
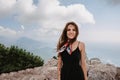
(78, 43)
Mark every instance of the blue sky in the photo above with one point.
(43, 21)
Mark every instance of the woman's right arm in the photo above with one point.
(59, 66)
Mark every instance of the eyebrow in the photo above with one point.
(72, 29)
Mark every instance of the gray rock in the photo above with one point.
(101, 72)
(118, 74)
(96, 71)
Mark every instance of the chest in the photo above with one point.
(74, 57)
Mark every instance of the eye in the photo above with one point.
(74, 30)
(68, 29)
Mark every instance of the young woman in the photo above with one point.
(71, 55)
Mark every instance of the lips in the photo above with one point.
(71, 36)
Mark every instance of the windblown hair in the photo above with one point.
(63, 38)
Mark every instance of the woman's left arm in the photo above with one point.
(83, 60)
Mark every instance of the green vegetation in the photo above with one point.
(14, 59)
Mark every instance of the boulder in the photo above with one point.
(96, 71)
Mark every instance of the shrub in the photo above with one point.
(14, 59)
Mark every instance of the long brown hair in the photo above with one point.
(63, 38)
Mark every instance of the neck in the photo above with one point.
(70, 41)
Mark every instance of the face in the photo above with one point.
(71, 31)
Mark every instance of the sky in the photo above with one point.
(44, 20)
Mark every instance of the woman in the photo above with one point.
(71, 55)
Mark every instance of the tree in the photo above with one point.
(14, 59)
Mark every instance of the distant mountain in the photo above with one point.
(28, 43)
(39, 48)
(45, 52)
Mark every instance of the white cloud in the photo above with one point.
(25, 6)
(42, 34)
(49, 15)
(46, 13)
(25, 10)
(52, 14)
(9, 33)
(6, 7)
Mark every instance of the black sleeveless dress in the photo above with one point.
(71, 69)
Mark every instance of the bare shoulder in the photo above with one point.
(81, 45)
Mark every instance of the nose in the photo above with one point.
(71, 31)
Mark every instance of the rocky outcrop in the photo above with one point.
(96, 71)
(99, 71)
(47, 72)
(118, 74)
